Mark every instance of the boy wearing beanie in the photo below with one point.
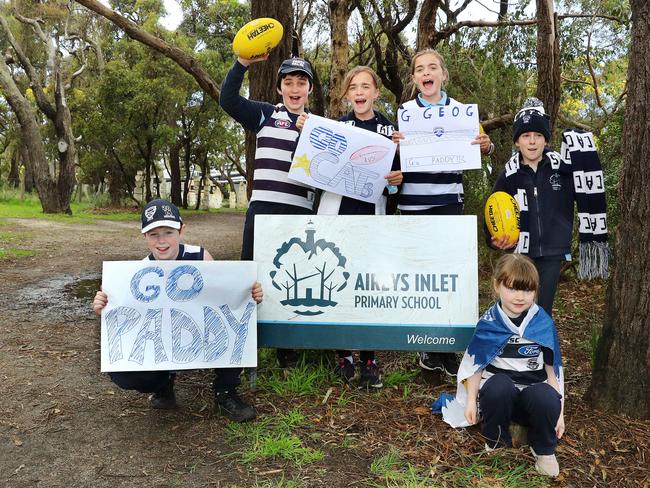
(544, 190)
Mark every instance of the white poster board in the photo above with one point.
(342, 159)
(172, 315)
(438, 138)
(367, 282)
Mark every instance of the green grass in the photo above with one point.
(15, 253)
(8, 251)
(487, 470)
(274, 438)
(12, 206)
(29, 207)
(313, 373)
(392, 470)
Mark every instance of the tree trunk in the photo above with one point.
(175, 173)
(548, 60)
(67, 148)
(339, 15)
(45, 184)
(187, 159)
(427, 24)
(14, 171)
(262, 76)
(621, 374)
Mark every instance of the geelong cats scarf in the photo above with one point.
(579, 152)
(491, 335)
(579, 158)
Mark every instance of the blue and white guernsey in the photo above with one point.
(421, 191)
(492, 343)
(276, 143)
(186, 252)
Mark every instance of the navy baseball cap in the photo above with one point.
(295, 65)
(160, 213)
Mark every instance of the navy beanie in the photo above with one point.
(532, 118)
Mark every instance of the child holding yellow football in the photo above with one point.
(277, 137)
(545, 185)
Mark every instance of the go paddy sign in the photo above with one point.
(367, 282)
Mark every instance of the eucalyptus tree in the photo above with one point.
(44, 50)
(622, 364)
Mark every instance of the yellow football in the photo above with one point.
(502, 216)
(257, 38)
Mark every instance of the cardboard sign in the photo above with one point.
(342, 159)
(367, 282)
(438, 138)
(171, 315)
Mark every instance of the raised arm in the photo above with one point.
(249, 113)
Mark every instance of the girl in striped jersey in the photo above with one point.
(513, 368)
(439, 193)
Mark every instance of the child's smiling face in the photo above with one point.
(295, 90)
(531, 145)
(429, 75)
(362, 93)
(164, 242)
(514, 302)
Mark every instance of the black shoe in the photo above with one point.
(288, 358)
(370, 377)
(432, 361)
(344, 370)
(450, 363)
(230, 405)
(164, 399)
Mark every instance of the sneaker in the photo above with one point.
(164, 399)
(431, 361)
(344, 370)
(370, 377)
(546, 465)
(229, 404)
(450, 363)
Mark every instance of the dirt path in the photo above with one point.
(63, 424)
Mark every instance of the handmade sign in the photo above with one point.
(171, 315)
(438, 138)
(342, 159)
(367, 282)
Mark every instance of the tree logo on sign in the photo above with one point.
(310, 273)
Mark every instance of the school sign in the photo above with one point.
(367, 282)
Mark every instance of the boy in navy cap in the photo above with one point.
(163, 229)
(277, 138)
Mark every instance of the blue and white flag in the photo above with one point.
(493, 331)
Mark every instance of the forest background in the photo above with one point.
(91, 94)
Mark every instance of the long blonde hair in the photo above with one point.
(347, 81)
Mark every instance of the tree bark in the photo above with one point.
(175, 172)
(548, 60)
(621, 376)
(339, 15)
(427, 23)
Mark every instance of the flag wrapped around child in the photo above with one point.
(492, 333)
